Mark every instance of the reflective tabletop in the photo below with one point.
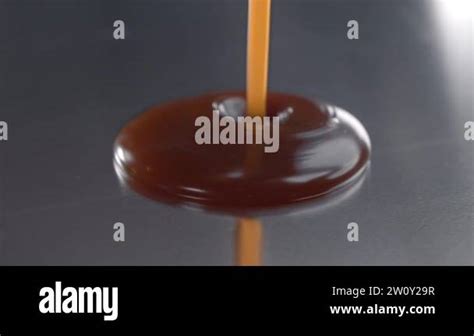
(67, 87)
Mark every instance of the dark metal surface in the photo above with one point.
(66, 88)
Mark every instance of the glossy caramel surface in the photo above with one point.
(322, 148)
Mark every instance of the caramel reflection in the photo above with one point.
(248, 242)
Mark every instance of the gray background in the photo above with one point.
(66, 88)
